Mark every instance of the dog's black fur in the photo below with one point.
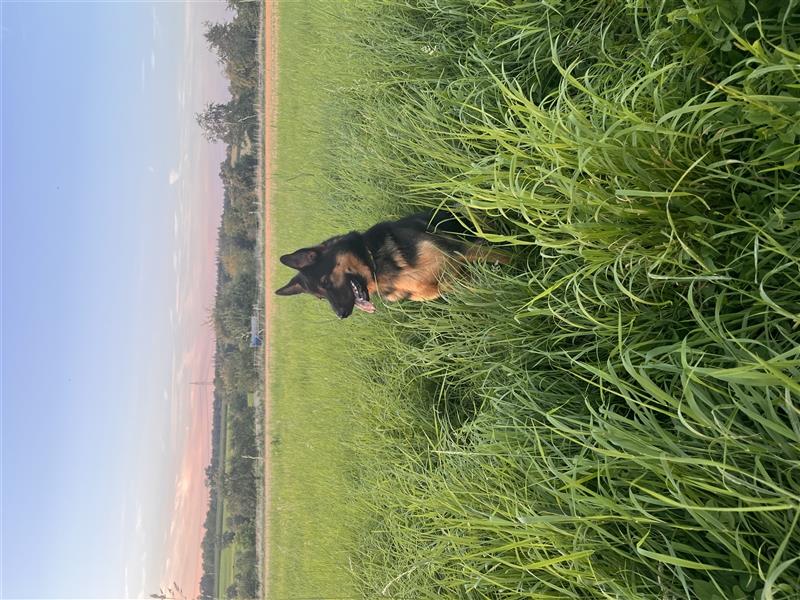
(396, 260)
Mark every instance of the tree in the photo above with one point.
(219, 36)
(214, 122)
(238, 260)
(233, 42)
(225, 122)
(227, 538)
(173, 592)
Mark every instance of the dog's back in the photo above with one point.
(396, 260)
(410, 254)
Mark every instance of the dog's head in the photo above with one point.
(337, 270)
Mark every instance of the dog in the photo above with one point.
(393, 260)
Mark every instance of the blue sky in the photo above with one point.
(110, 203)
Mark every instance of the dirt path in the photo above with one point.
(270, 12)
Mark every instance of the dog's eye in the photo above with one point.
(325, 283)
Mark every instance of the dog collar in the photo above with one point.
(373, 268)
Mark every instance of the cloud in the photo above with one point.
(156, 23)
(152, 60)
(144, 575)
(178, 297)
(174, 175)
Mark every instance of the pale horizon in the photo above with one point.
(111, 204)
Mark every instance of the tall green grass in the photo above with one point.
(617, 413)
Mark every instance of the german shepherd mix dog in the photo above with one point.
(394, 260)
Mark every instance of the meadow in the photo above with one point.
(309, 396)
(616, 414)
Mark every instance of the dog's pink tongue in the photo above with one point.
(365, 305)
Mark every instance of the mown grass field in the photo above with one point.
(227, 555)
(312, 391)
(616, 414)
(226, 574)
(226, 559)
(225, 577)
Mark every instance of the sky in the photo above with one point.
(110, 206)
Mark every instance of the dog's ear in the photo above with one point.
(290, 289)
(301, 258)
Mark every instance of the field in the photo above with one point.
(227, 553)
(226, 573)
(616, 414)
(226, 557)
(310, 390)
(225, 576)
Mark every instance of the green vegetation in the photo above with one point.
(226, 548)
(226, 573)
(234, 477)
(311, 391)
(616, 414)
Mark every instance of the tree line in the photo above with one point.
(234, 479)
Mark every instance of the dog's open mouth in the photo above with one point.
(362, 298)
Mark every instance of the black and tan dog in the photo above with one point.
(394, 260)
